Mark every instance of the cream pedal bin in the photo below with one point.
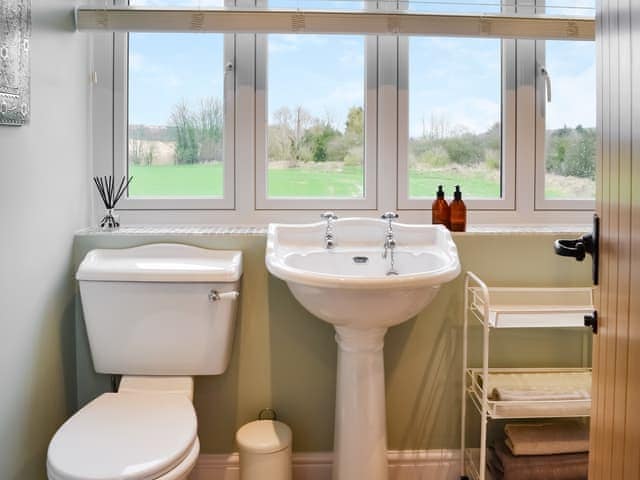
(158, 315)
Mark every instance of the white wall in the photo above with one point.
(44, 181)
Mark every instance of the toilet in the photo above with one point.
(157, 315)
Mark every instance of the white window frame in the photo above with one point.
(386, 140)
(119, 146)
(541, 202)
(508, 136)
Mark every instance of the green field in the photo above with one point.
(206, 180)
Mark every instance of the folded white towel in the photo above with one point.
(538, 386)
(506, 394)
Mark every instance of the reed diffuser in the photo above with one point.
(110, 197)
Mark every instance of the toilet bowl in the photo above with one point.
(157, 315)
(132, 436)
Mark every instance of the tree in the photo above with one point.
(354, 126)
(287, 135)
(199, 134)
(186, 134)
(210, 127)
(141, 152)
(465, 149)
(321, 140)
(571, 152)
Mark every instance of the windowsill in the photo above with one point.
(240, 230)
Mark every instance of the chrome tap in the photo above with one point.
(389, 240)
(329, 238)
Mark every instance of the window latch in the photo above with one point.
(547, 80)
(228, 67)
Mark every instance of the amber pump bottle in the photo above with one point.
(440, 209)
(458, 212)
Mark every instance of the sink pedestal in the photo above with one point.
(360, 442)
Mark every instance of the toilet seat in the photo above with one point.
(126, 436)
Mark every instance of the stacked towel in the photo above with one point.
(503, 465)
(539, 386)
(550, 438)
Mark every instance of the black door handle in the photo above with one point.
(580, 247)
(571, 248)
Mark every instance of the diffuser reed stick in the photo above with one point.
(110, 196)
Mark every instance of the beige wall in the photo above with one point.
(43, 196)
(286, 359)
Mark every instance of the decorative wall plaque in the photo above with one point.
(15, 70)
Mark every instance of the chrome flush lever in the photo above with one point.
(216, 296)
(329, 237)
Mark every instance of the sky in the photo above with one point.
(454, 79)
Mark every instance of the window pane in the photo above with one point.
(457, 6)
(176, 115)
(455, 116)
(317, 4)
(575, 8)
(315, 138)
(570, 146)
(177, 3)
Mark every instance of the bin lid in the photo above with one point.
(264, 436)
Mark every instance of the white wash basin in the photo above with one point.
(361, 293)
(349, 285)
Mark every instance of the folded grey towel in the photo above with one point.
(547, 438)
(505, 466)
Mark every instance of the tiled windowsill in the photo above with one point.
(177, 230)
(231, 230)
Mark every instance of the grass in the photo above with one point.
(207, 180)
(308, 182)
(177, 180)
(473, 184)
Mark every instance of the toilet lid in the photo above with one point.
(124, 436)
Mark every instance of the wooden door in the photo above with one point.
(615, 423)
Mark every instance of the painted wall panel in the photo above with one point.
(286, 359)
(43, 201)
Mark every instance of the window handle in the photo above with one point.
(547, 80)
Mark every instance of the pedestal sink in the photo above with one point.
(337, 271)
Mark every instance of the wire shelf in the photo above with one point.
(531, 307)
(497, 409)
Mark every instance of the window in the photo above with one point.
(315, 135)
(455, 117)
(317, 119)
(263, 125)
(177, 117)
(567, 127)
(461, 116)
(566, 142)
